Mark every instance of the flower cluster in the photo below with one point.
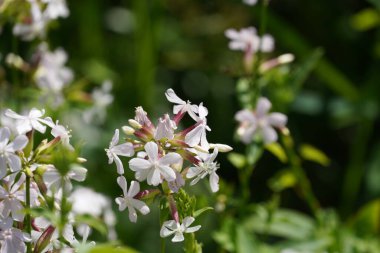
(41, 13)
(39, 178)
(165, 157)
(260, 122)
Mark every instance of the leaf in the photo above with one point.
(244, 240)
(366, 19)
(277, 151)
(110, 249)
(254, 153)
(311, 153)
(237, 160)
(92, 222)
(282, 180)
(367, 220)
(202, 210)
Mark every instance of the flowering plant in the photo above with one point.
(165, 157)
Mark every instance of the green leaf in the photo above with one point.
(92, 222)
(282, 180)
(311, 153)
(367, 220)
(366, 19)
(109, 249)
(237, 160)
(277, 151)
(202, 210)
(244, 240)
(254, 152)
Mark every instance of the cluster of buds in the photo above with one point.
(36, 214)
(165, 157)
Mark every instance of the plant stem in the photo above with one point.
(303, 182)
(28, 220)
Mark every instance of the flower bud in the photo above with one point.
(44, 239)
(128, 130)
(81, 160)
(133, 123)
(221, 147)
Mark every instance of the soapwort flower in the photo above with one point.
(247, 40)
(12, 239)
(128, 199)
(114, 150)
(260, 122)
(8, 157)
(171, 227)
(31, 121)
(155, 167)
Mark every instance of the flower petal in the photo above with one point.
(170, 158)
(214, 182)
(152, 150)
(119, 164)
(14, 162)
(141, 206)
(125, 149)
(133, 189)
(172, 97)
(167, 172)
(154, 177)
(4, 136)
(263, 106)
(122, 182)
(269, 135)
(18, 143)
(277, 119)
(178, 237)
(137, 164)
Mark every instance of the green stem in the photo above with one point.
(355, 170)
(28, 220)
(62, 211)
(304, 185)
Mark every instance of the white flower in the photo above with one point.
(182, 106)
(114, 150)
(260, 122)
(250, 2)
(101, 98)
(12, 197)
(86, 201)
(64, 134)
(247, 40)
(52, 75)
(172, 227)
(155, 167)
(128, 200)
(198, 134)
(207, 167)
(56, 9)
(165, 128)
(53, 178)
(7, 151)
(31, 121)
(35, 28)
(12, 239)
(177, 183)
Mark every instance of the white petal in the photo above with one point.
(122, 182)
(137, 164)
(17, 210)
(202, 111)
(14, 162)
(178, 237)
(119, 164)
(263, 106)
(141, 206)
(194, 136)
(115, 138)
(35, 113)
(4, 136)
(245, 116)
(187, 221)
(193, 171)
(132, 214)
(78, 173)
(133, 189)
(125, 149)
(192, 229)
(18, 143)
(121, 202)
(269, 135)
(214, 182)
(152, 150)
(3, 167)
(23, 127)
(170, 158)
(172, 97)
(167, 172)
(154, 177)
(277, 119)
(11, 114)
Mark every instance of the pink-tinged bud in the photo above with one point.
(200, 149)
(44, 239)
(173, 208)
(40, 183)
(187, 155)
(248, 59)
(35, 227)
(144, 134)
(282, 59)
(45, 146)
(142, 117)
(147, 194)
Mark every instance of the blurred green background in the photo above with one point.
(148, 46)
